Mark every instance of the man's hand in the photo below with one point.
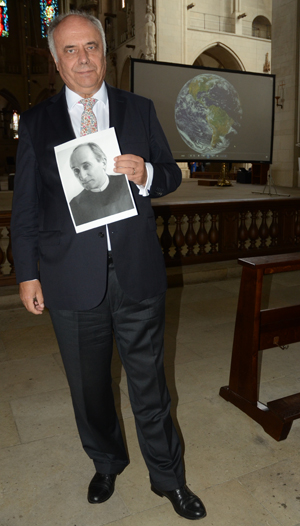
(133, 166)
(32, 296)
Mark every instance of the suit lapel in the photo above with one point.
(117, 110)
(60, 118)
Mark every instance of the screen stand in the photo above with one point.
(270, 184)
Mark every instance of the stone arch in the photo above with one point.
(218, 55)
(9, 101)
(261, 27)
(125, 75)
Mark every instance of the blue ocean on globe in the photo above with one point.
(208, 114)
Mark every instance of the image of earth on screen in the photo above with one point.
(210, 114)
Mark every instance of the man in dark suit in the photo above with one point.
(102, 195)
(91, 294)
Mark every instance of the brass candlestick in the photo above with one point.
(224, 179)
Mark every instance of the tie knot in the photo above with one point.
(88, 104)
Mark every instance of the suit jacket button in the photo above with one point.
(101, 234)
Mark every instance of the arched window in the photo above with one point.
(48, 10)
(261, 27)
(4, 32)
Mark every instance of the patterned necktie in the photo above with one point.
(88, 122)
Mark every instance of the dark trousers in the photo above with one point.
(85, 339)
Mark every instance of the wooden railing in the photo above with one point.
(218, 231)
(205, 232)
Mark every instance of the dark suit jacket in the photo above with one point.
(72, 267)
(89, 206)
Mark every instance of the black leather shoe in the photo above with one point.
(101, 488)
(185, 502)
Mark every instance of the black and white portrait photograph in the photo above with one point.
(95, 194)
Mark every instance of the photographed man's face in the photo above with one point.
(90, 172)
(80, 58)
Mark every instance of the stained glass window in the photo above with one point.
(3, 19)
(48, 10)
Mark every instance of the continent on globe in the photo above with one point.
(208, 113)
(220, 122)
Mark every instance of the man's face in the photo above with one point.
(80, 59)
(89, 171)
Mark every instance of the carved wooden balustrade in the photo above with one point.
(7, 271)
(208, 231)
(217, 231)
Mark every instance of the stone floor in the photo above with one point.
(244, 477)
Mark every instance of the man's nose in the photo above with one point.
(83, 175)
(83, 57)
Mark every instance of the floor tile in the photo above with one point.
(3, 352)
(28, 376)
(9, 435)
(44, 415)
(50, 479)
(12, 318)
(277, 488)
(29, 342)
(222, 443)
(230, 504)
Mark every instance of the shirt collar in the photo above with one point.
(73, 98)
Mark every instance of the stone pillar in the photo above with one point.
(238, 22)
(150, 30)
(285, 65)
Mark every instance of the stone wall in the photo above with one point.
(181, 39)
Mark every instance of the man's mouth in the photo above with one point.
(85, 71)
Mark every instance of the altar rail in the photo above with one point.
(192, 233)
(218, 231)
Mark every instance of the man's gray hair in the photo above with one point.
(98, 153)
(58, 19)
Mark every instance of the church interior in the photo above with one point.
(246, 472)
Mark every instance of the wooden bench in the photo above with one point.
(256, 330)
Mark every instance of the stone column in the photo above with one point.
(150, 32)
(285, 65)
(238, 22)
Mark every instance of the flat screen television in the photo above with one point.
(210, 114)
